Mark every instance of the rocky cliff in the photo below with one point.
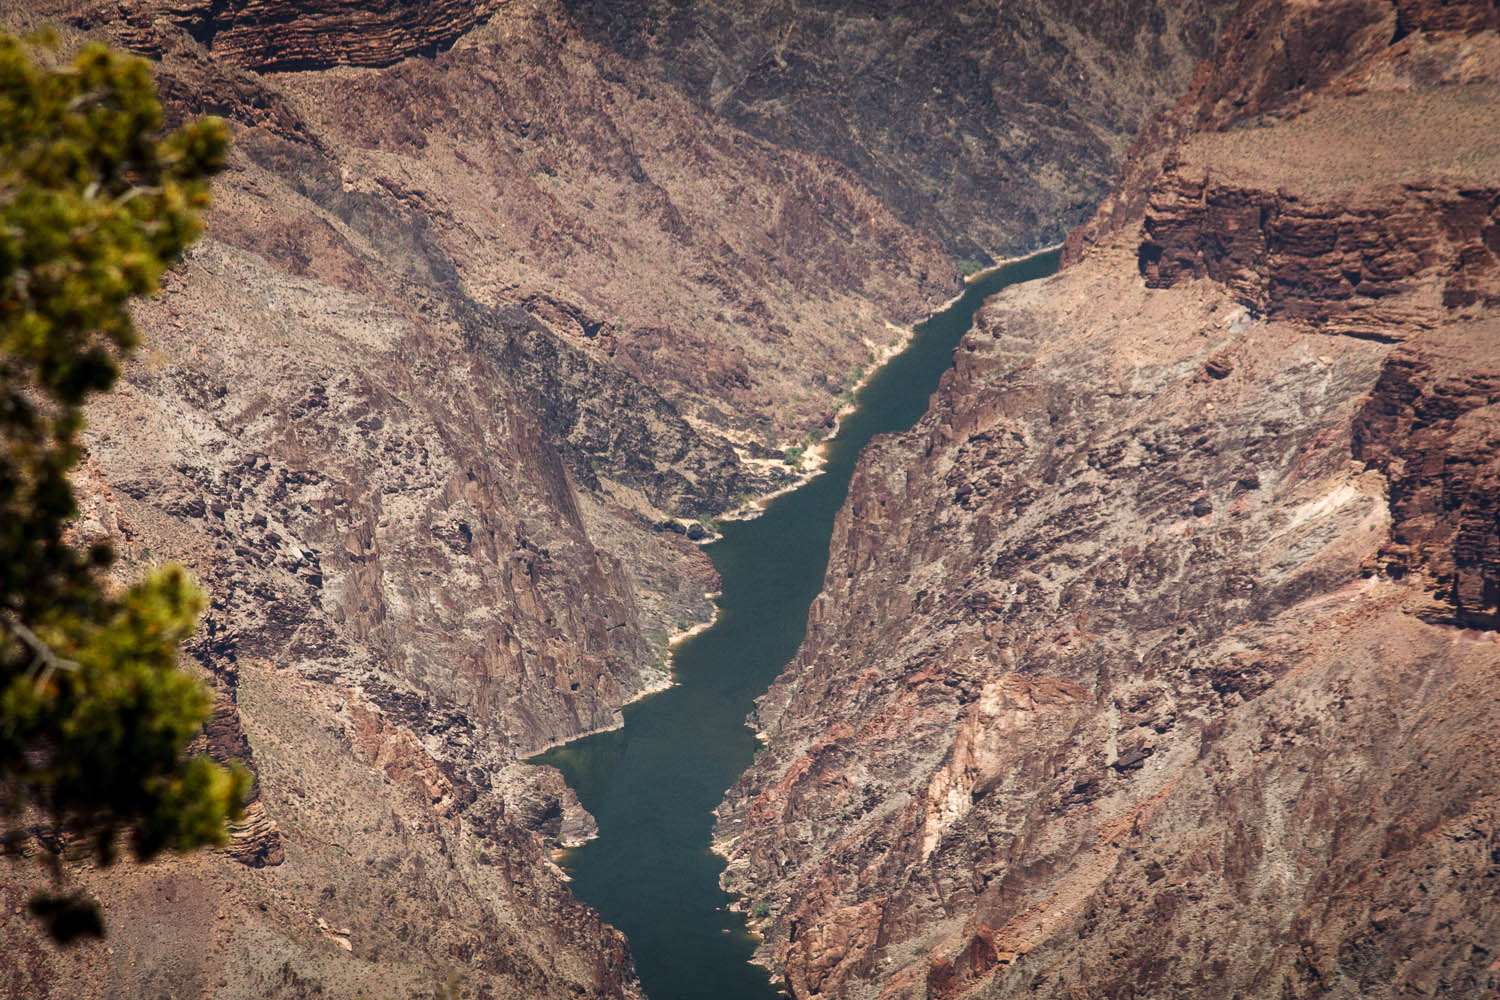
(993, 125)
(415, 412)
(1159, 659)
(487, 305)
(277, 35)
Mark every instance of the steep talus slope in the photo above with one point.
(993, 125)
(1159, 658)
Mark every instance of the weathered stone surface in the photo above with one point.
(255, 839)
(1446, 15)
(296, 34)
(1160, 659)
(1385, 228)
(992, 125)
(1277, 61)
(482, 305)
(1040, 604)
(1432, 427)
(411, 413)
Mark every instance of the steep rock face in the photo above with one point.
(1159, 658)
(393, 838)
(397, 878)
(300, 35)
(318, 488)
(1343, 250)
(1430, 427)
(467, 329)
(1446, 15)
(1279, 59)
(413, 413)
(732, 277)
(993, 125)
(255, 840)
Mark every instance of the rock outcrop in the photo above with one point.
(1160, 658)
(414, 413)
(1343, 250)
(286, 35)
(484, 305)
(254, 840)
(1430, 428)
(993, 125)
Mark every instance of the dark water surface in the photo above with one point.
(653, 784)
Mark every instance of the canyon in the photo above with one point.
(1160, 659)
(992, 126)
(491, 317)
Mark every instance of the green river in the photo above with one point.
(653, 784)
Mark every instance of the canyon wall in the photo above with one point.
(315, 34)
(994, 126)
(489, 311)
(1160, 658)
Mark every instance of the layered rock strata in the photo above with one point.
(1429, 426)
(414, 413)
(1159, 659)
(300, 35)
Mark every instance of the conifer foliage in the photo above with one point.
(96, 201)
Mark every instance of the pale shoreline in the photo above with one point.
(816, 455)
(657, 686)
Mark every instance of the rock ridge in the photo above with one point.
(939, 109)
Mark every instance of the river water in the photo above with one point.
(653, 784)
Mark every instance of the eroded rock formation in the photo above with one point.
(1429, 426)
(993, 125)
(1159, 659)
(414, 412)
(491, 293)
(294, 34)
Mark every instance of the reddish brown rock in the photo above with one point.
(1127, 678)
(1446, 15)
(284, 35)
(1432, 427)
(1331, 262)
(255, 839)
(992, 125)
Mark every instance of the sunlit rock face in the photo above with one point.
(1160, 657)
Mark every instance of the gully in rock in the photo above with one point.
(653, 784)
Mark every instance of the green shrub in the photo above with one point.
(96, 201)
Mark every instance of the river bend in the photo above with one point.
(653, 784)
